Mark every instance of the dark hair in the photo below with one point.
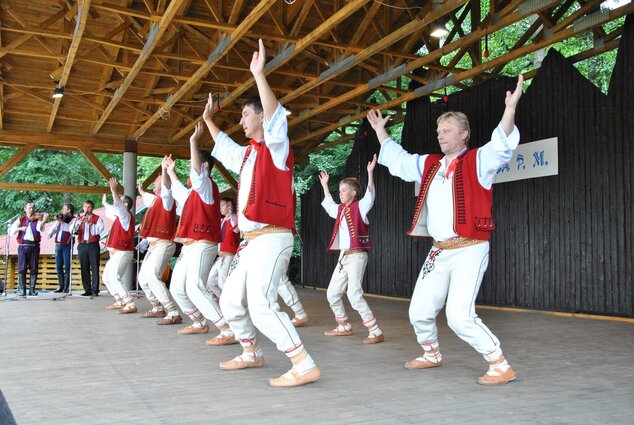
(255, 103)
(71, 208)
(89, 202)
(129, 202)
(205, 156)
(229, 200)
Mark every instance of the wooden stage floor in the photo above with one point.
(73, 362)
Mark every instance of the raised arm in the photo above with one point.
(195, 162)
(113, 189)
(267, 97)
(508, 117)
(378, 121)
(208, 115)
(323, 179)
(371, 166)
(165, 178)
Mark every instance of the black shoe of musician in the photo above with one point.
(33, 293)
(59, 290)
(87, 294)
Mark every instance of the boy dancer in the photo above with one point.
(120, 244)
(266, 217)
(350, 236)
(159, 228)
(199, 231)
(454, 208)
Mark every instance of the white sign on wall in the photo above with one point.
(531, 160)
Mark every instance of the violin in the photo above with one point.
(38, 216)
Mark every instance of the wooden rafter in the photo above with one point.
(30, 187)
(426, 90)
(82, 17)
(285, 56)
(150, 179)
(154, 36)
(15, 159)
(224, 45)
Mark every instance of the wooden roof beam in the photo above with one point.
(597, 19)
(59, 141)
(47, 23)
(15, 159)
(154, 36)
(426, 60)
(94, 161)
(82, 17)
(225, 43)
(285, 56)
(153, 175)
(30, 187)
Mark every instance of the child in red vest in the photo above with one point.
(350, 237)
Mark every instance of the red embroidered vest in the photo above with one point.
(200, 221)
(230, 239)
(472, 202)
(121, 239)
(272, 194)
(65, 239)
(359, 235)
(159, 222)
(91, 238)
(24, 221)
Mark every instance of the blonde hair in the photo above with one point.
(461, 119)
(353, 183)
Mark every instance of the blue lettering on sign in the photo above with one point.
(520, 162)
(504, 168)
(538, 159)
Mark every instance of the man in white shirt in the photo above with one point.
(28, 230)
(88, 228)
(61, 231)
(266, 216)
(454, 208)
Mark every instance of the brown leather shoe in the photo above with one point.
(115, 306)
(170, 320)
(153, 313)
(421, 363)
(190, 330)
(293, 379)
(222, 340)
(374, 339)
(337, 332)
(238, 363)
(128, 309)
(298, 323)
(495, 376)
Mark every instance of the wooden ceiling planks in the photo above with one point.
(141, 68)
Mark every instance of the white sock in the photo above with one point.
(305, 366)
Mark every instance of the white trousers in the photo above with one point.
(287, 292)
(218, 274)
(453, 275)
(154, 263)
(114, 271)
(348, 275)
(189, 278)
(249, 298)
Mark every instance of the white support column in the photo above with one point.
(129, 189)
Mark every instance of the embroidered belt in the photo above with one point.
(186, 242)
(354, 251)
(223, 254)
(457, 242)
(249, 236)
(159, 241)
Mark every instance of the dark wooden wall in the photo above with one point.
(562, 242)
